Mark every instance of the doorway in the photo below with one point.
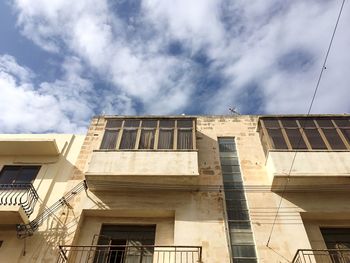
(126, 244)
(337, 241)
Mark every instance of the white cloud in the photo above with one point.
(244, 40)
(61, 106)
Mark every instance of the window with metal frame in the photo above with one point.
(149, 134)
(14, 174)
(305, 133)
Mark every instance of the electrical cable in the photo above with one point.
(308, 113)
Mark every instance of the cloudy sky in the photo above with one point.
(63, 61)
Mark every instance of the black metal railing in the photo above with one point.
(129, 254)
(23, 195)
(25, 230)
(322, 256)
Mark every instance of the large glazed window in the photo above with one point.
(240, 231)
(149, 134)
(12, 174)
(305, 133)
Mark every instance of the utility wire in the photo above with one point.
(308, 113)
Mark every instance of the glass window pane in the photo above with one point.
(9, 174)
(346, 133)
(325, 123)
(271, 123)
(307, 123)
(227, 145)
(114, 123)
(109, 140)
(228, 154)
(334, 139)
(232, 177)
(239, 225)
(315, 139)
(230, 168)
(245, 260)
(132, 123)
(234, 194)
(243, 251)
(147, 139)
(149, 123)
(167, 123)
(27, 174)
(296, 139)
(289, 123)
(233, 185)
(277, 139)
(237, 214)
(236, 204)
(166, 138)
(128, 139)
(242, 238)
(229, 161)
(344, 123)
(184, 123)
(184, 139)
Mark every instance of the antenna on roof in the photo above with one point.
(233, 111)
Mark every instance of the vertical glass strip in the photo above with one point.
(239, 227)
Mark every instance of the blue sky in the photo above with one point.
(61, 62)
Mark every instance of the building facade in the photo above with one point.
(208, 189)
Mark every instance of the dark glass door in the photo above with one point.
(127, 244)
(338, 241)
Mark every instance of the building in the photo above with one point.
(34, 171)
(209, 189)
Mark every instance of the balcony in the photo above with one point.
(17, 203)
(310, 171)
(129, 254)
(23, 146)
(112, 169)
(322, 256)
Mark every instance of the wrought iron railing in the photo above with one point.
(130, 254)
(25, 230)
(322, 256)
(23, 195)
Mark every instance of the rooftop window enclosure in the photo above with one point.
(305, 133)
(149, 134)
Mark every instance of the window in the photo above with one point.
(18, 174)
(237, 213)
(149, 134)
(305, 133)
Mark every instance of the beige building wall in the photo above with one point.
(191, 211)
(56, 169)
(196, 217)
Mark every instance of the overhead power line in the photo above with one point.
(308, 113)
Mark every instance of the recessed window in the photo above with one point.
(12, 174)
(149, 134)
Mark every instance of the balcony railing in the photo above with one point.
(130, 254)
(322, 256)
(23, 195)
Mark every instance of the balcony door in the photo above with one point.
(338, 242)
(126, 244)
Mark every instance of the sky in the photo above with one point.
(62, 62)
